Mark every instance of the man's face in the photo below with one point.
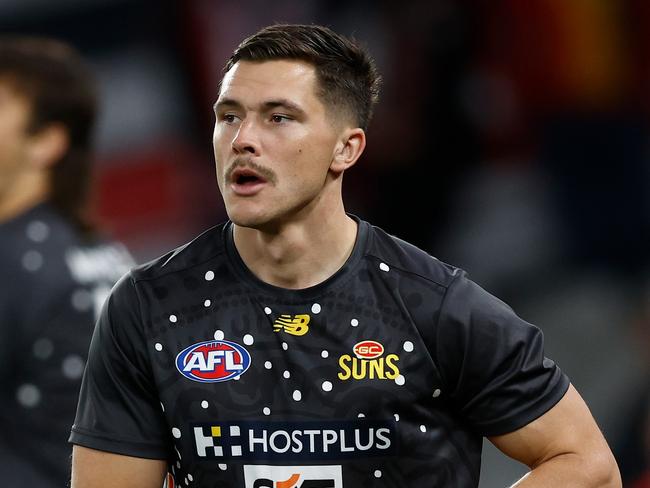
(15, 114)
(273, 142)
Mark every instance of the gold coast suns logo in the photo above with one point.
(297, 325)
(368, 362)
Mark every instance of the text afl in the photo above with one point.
(213, 361)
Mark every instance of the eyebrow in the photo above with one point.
(267, 105)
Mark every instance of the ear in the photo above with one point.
(48, 145)
(348, 149)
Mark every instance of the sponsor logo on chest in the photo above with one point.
(368, 362)
(297, 325)
(262, 476)
(213, 361)
(253, 441)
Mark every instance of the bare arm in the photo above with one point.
(564, 447)
(99, 469)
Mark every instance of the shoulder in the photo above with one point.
(42, 250)
(408, 260)
(443, 287)
(201, 249)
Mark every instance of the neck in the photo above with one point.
(298, 254)
(23, 193)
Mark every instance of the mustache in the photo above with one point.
(266, 173)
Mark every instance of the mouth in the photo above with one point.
(246, 181)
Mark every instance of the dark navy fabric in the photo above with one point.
(388, 374)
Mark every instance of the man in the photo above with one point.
(298, 346)
(54, 272)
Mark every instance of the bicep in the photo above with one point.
(99, 469)
(566, 429)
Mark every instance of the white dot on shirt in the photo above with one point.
(209, 275)
(377, 473)
(219, 335)
(327, 386)
(205, 404)
(28, 395)
(176, 432)
(361, 415)
(285, 346)
(324, 354)
(73, 367)
(267, 310)
(354, 322)
(268, 365)
(400, 380)
(37, 231)
(408, 346)
(384, 267)
(286, 375)
(207, 303)
(423, 428)
(190, 477)
(173, 319)
(223, 467)
(266, 411)
(32, 260)
(158, 346)
(396, 415)
(248, 340)
(297, 395)
(315, 308)
(436, 393)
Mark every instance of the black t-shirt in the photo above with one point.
(387, 374)
(52, 286)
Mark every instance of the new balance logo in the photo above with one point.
(292, 324)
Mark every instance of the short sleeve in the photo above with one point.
(493, 362)
(118, 409)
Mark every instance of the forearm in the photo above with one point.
(573, 471)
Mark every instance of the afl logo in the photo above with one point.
(368, 350)
(213, 361)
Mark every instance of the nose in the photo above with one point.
(245, 140)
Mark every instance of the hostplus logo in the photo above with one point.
(297, 325)
(261, 476)
(256, 441)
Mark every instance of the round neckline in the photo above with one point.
(296, 295)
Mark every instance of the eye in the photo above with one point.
(228, 118)
(278, 119)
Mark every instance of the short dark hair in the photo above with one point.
(60, 89)
(346, 73)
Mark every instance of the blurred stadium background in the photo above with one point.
(511, 140)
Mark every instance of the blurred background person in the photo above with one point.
(54, 271)
(524, 158)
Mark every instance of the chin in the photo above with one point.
(253, 220)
